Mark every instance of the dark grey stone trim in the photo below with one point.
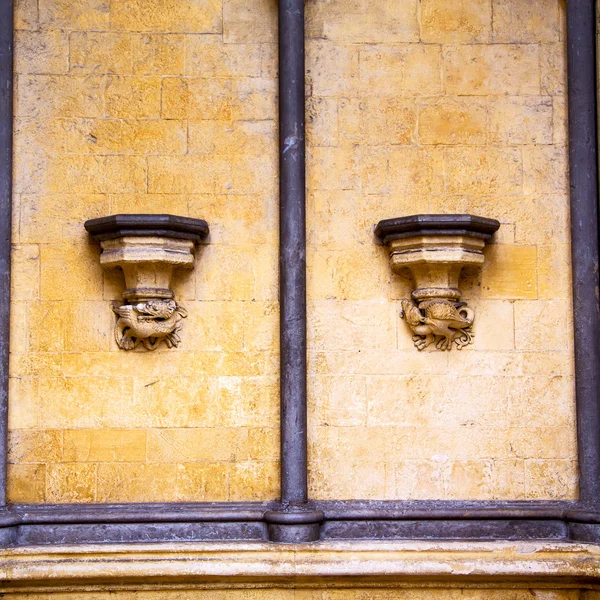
(583, 137)
(6, 128)
(409, 226)
(114, 226)
(467, 530)
(111, 533)
(344, 519)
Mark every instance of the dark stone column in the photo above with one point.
(581, 51)
(292, 523)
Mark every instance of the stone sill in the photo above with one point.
(324, 564)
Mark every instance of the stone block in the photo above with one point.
(71, 482)
(559, 120)
(327, 480)
(217, 326)
(264, 444)
(324, 58)
(345, 325)
(218, 444)
(44, 327)
(415, 171)
(208, 56)
(518, 22)
(400, 70)
(131, 482)
(322, 121)
(225, 99)
(104, 446)
(545, 170)
(332, 216)
(554, 273)
(361, 21)
(133, 97)
(346, 275)
(60, 96)
(158, 54)
(551, 479)
(67, 272)
(202, 482)
(74, 14)
(175, 16)
(88, 326)
(35, 446)
(483, 171)
(464, 21)
(470, 478)
(510, 272)
(26, 483)
(249, 21)
(26, 14)
(388, 121)
(154, 409)
(521, 120)
(472, 70)
(542, 325)
(336, 401)
(553, 66)
(25, 282)
(332, 168)
(88, 402)
(238, 137)
(453, 121)
(261, 326)
(23, 409)
(41, 52)
(349, 121)
(494, 325)
(52, 219)
(253, 481)
(243, 218)
(96, 175)
(96, 52)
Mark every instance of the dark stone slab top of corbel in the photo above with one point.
(171, 226)
(413, 225)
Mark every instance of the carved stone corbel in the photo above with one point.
(148, 248)
(435, 249)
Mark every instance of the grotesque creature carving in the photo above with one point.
(148, 323)
(440, 321)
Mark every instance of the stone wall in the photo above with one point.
(170, 106)
(144, 106)
(438, 106)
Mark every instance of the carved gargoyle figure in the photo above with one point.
(440, 321)
(148, 323)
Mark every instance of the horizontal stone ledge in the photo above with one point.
(322, 564)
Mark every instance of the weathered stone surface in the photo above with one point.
(153, 106)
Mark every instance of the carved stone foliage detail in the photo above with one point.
(148, 323)
(434, 249)
(439, 321)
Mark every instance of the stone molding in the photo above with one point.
(323, 564)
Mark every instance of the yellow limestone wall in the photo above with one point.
(144, 106)
(439, 106)
(170, 106)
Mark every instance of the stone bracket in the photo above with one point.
(435, 249)
(148, 248)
